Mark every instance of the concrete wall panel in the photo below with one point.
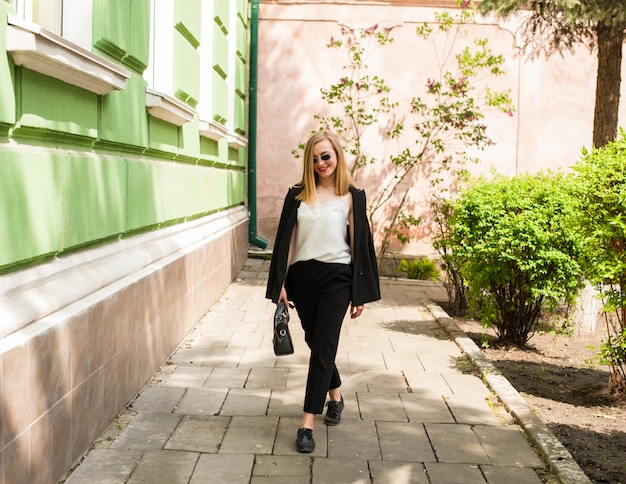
(31, 213)
(95, 199)
(52, 105)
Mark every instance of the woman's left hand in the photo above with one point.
(355, 311)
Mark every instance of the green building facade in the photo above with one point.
(123, 151)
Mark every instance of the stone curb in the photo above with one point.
(550, 448)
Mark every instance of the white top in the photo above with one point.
(322, 232)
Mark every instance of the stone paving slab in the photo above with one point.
(441, 360)
(224, 357)
(105, 466)
(272, 378)
(187, 377)
(246, 401)
(506, 446)
(298, 466)
(147, 431)
(400, 361)
(509, 475)
(257, 358)
(354, 440)
(226, 378)
(222, 469)
(277, 480)
(471, 409)
(426, 408)
(225, 409)
(250, 435)
(286, 403)
(186, 356)
(404, 442)
(464, 384)
(454, 473)
(386, 381)
(164, 466)
(427, 382)
(200, 401)
(365, 360)
(199, 434)
(456, 443)
(390, 472)
(158, 400)
(354, 471)
(353, 381)
(382, 406)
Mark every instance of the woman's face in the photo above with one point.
(324, 159)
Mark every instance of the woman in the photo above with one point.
(323, 261)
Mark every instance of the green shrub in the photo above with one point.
(600, 194)
(421, 269)
(443, 243)
(518, 250)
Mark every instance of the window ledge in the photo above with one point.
(36, 49)
(168, 108)
(213, 130)
(236, 141)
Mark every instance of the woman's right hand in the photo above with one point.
(283, 297)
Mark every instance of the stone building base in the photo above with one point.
(66, 374)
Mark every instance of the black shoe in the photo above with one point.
(333, 413)
(304, 441)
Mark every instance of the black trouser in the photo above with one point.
(321, 294)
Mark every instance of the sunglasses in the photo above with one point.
(324, 157)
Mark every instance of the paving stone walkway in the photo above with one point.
(224, 409)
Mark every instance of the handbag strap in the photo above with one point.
(282, 314)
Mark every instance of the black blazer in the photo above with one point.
(365, 281)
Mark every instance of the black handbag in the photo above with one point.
(283, 345)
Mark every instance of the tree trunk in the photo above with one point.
(610, 39)
(587, 310)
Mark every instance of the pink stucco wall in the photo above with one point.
(554, 97)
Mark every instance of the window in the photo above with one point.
(70, 19)
(170, 94)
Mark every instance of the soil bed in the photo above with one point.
(560, 379)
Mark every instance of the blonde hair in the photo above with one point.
(343, 179)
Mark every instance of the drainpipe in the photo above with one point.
(253, 238)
